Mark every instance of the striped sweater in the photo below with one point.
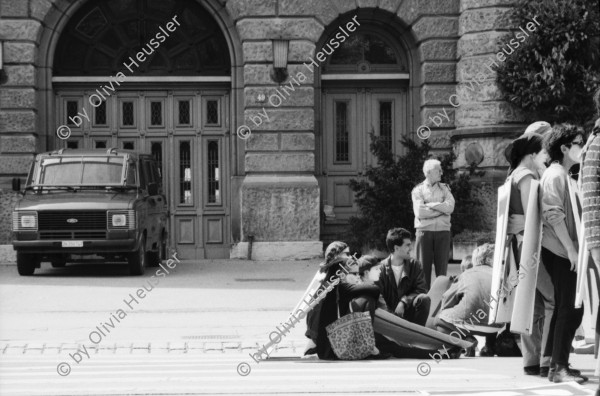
(590, 173)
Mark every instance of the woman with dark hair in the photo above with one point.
(527, 162)
(560, 247)
(341, 269)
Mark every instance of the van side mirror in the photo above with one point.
(16, 184)
(152, 189)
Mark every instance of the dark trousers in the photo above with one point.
(566, 318)
(433, 247)
(418, 311)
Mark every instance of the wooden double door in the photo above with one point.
(186, 131)
(349, 115)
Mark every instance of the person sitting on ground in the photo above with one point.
(337, 265)
(336, 252)
(402, 281)
(466, 303)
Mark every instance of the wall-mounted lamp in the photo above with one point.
(280, 58)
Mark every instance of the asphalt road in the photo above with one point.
(193, 328)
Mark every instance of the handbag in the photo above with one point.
(351, 336)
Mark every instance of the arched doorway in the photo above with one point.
(365, 88)
(154, 77)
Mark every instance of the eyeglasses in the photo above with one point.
(579, 143)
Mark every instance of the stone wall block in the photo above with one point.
(438, 50)
(283, 162)
(367, 3)
(258, 51)
(301, 96)
(436, 27)
(16, 52)
(297, 141)
(487, 113)
(277, 28)
(437, 95)
(479, 43)
(321, 9)
(239, 9)
(20, 29)
(39, 9)
(389, 5)
(15, 164)
(344, 5)
(12, 98)
(484, 19)
(261, 75)
(22, 75)
(411, 10)
(281, 211)
(17, 144)
(280, 119)
(476, 69)
(8, 201)
(262, 142)
(14, 8)
(483, 92)
(301, 51)
(468, 4)
(17, 121)
(439, 72)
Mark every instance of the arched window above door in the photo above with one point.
(102, 35)
(366, 52)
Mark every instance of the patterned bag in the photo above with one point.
(352, 336)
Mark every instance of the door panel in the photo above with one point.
(349, 116)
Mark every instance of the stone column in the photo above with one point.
(484, 122)
(19, 29)
(279, 194)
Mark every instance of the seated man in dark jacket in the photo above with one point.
(402, 281)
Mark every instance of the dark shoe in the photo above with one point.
(562, 375)
(576, 373)
(544, 372)
(311, 351)
(487, 351)
(532, 370)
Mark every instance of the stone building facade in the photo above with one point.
(309, 79)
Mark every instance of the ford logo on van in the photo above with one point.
(72, 221)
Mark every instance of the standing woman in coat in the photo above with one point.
(527, 162)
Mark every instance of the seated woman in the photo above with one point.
(465, 305)
(337, 264)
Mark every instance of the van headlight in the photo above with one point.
(121, 219)
(25, 221)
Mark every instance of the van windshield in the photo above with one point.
(80, 171)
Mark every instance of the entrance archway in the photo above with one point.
(172, 101)
(366, 86)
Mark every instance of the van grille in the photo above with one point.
(72, 235)
(58, 220)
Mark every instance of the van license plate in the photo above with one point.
(72, 243)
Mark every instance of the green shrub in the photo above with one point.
(384, 195)
(479, 237)
(554, 72)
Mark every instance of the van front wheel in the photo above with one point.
(137, 259)
(27, 263)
